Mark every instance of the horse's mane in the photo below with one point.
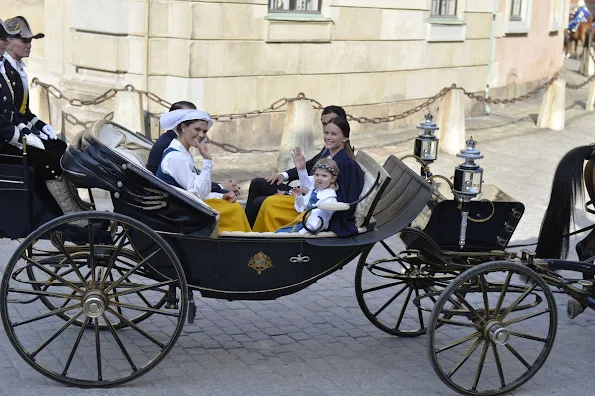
(566, 188)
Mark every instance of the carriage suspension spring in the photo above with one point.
(172, 299)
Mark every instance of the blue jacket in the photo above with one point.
(351, 184)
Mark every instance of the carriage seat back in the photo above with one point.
(372, 171)
(405, 196)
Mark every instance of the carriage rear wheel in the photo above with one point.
(492, 329)
(390, 289)
(57, 295)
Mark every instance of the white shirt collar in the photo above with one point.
(19, 65)
(175, 144)
(326, 193)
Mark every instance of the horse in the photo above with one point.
(580, 35)
(567, 187)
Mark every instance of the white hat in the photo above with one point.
(172, 119)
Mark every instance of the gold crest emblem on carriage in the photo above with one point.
(260, 262)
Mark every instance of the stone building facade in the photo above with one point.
(375, 57)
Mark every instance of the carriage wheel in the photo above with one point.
(389, 287)
(498, 327)
(97, 284)
(58, 259)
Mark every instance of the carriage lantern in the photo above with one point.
(467, 182)
(426, 144)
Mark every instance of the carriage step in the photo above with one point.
(574, 309)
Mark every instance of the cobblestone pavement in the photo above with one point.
(318, 342)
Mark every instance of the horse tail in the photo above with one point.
(566, 187)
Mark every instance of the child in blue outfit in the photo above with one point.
(321, 187)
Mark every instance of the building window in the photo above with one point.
(519, 15)
(557, 15)
(444, 8)
(516, 10)
(295, 5)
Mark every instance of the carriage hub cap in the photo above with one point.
(94, 304)
(498, 333)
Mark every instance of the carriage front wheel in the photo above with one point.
(71, 297)
(492, 329)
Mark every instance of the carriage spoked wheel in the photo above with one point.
(498, 325)
(96, 312)
(60, 257)
(389, 288)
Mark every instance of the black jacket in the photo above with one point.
(7, 112)
(19, 94)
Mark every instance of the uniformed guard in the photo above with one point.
(9, 132)
(44, 150)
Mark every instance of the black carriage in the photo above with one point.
(109, 301)
(144, 259)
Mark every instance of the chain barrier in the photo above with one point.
(280, 103)
(579, 86)
(72, 120)
(107, 95)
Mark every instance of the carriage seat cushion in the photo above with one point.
(324, 234)
(125, 143)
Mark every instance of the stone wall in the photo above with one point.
(375, 57)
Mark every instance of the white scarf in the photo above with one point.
(169, 121)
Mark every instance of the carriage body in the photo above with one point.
(166, 242)
(233, 265)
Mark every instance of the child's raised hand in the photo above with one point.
(298, 158)
(296, 192)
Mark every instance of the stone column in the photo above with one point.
(590, 105)
(451, 120)
(129, 111)
(39, 99)
(587, 66)
(298, 132)
(552, 114)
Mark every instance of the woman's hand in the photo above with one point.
(203, 149)
(230, 196)
(298, 159)
(275, 179)
(296, 192)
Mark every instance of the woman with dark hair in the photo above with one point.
(278, 210)
(261, 187)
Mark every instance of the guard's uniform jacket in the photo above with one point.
(46, 162)
(7, 109)
(21, 94)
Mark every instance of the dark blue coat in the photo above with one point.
(19, 96)
(351, 184)
(156, 155)
(7, 112)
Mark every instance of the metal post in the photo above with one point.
(491, 56)
(27, 188)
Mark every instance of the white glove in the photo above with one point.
(34, 141)
(48, 130)
(42, 136)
